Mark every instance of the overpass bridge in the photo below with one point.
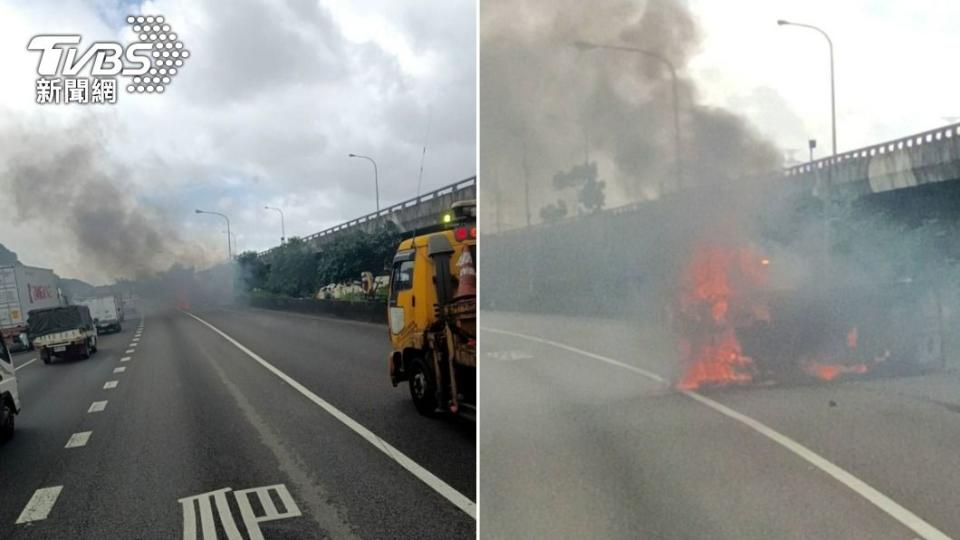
(415, 213)
(917, 160)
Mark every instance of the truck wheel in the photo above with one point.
(423, 387)
(85, 350)
(95, 346)
(7, 420)
(45, 356)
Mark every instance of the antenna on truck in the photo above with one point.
(423, 157)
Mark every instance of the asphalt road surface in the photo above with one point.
(579, 439)
(239, 424)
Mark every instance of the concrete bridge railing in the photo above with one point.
(412, 213)
(922, 158)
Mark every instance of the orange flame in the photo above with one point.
(712, 299)
(829, 372)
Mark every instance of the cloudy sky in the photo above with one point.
(273, 98)
(892, 70)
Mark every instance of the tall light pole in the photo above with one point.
(376, 180)
(828, 206)
(833, 94)
(678, 146)
(283, 231)
(229, 246)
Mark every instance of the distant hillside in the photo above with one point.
(75, 288)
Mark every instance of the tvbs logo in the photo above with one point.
(148, 64)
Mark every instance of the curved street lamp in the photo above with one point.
(229, 247)
(283, 232)
(833, 95)
(376, 180)
(678, 150)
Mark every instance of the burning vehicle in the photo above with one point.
(734, 327)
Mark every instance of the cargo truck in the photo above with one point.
(432, 315)
(9, 394)
(23, 289)
(62, 331)
(107, 312)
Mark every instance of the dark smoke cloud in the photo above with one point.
(545, 104)
(61, 182)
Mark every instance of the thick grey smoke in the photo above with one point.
(61, 182)
(547, 106)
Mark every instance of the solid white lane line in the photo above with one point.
(110, 384)
(129, 351)
(881, 501)
(97, 406)
(120, 369)
(125, 359)
(40, 504)
(611, 361)
(25, 364)
(78, 439)
(458, 499)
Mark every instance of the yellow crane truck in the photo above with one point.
(432, 315)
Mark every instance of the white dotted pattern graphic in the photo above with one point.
(166, 53)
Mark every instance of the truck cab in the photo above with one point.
(432, 315)
(9, 394)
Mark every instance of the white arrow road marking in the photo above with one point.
(120, 369)
(97, 406)
(110, 384)
(881, 501)
(460, 500)
(40, 504)
(78, 439)
(509, 356)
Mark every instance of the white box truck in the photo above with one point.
(23, 289)
(107, 312)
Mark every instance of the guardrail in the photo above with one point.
(452, 188)
(926, 137)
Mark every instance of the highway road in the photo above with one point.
(580, 423)
(232, 423)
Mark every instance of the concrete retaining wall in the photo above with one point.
(374, 312)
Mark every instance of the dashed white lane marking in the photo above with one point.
(39, 506)
(78, 439)
(125, 359)
(458, 499)
(110, 384)
(129, 351)
(133, 345)
(97, 406)
(881, 501)
(120, 369)
(25, 364)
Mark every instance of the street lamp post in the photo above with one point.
(833, 94)
(283, 231)
(828, 205)
(376, 180)
(229, 247)
(678, 148)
